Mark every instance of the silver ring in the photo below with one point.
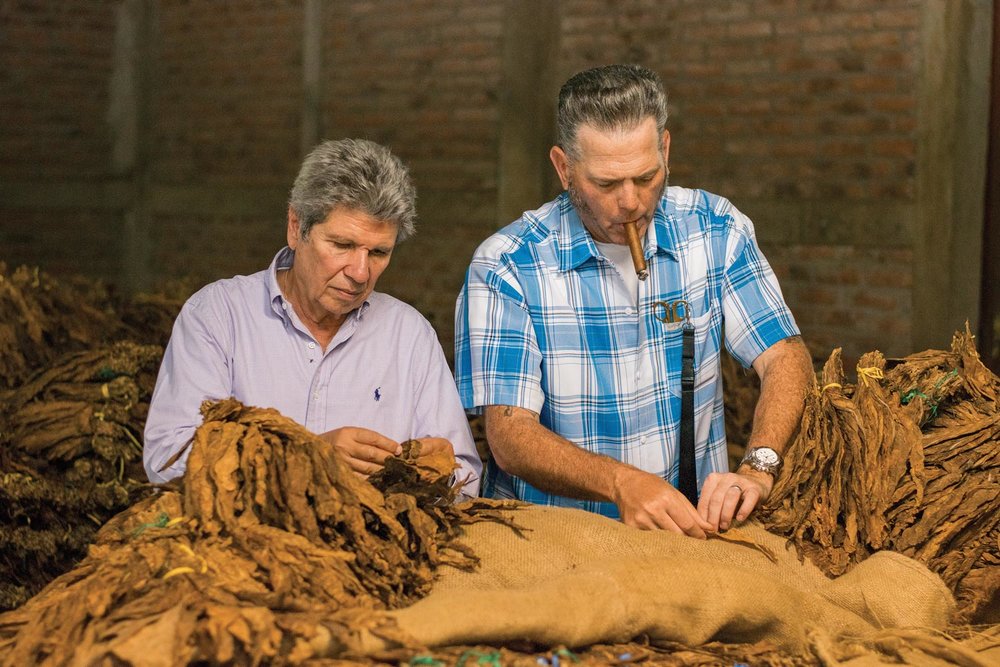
(737, 486)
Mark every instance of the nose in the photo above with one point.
(628, 197)
(357, 268)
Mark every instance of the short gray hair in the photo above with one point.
(356, 174)
(612, 97)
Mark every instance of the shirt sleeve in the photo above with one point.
(497, 357)
(756, 315)
(439, 411)
(195, 368)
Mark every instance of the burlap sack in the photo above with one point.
(575, 578)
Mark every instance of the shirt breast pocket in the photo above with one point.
(707, 332)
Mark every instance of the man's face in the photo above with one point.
(619, 177)
(337, 264)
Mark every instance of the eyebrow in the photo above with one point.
(646, 174)
(346, 241)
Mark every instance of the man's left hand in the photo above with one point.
(429, 446)
(728, 496)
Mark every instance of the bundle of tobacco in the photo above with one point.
(274, 551)
(72, 458)
(41, 318)
(906, 459)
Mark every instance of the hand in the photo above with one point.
(364, 450)
(431, 446)
(436, 454)
(647, 502)
(723, 493)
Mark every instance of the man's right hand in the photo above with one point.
(646, 501)
(363, 449)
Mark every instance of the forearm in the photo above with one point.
(522, 447)
(786, 373)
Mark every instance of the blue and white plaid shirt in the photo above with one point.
(545, 322)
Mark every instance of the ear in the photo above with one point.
(561, 162)
(293, 229)
(666, 147)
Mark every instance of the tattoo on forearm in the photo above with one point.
(508, 411)
(792, 339)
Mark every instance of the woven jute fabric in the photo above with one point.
(573, 578)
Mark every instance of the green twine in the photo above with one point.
(933, 404)
(425, 660)
(492, 658)
(161, 522)
(105, 374)
(566, 653)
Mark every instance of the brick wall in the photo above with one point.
(778, 101)
(803, 113)
(226, 107)
(55, 63)
(422, 77)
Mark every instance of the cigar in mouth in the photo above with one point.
(635, 247)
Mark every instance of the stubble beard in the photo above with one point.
(586, 213)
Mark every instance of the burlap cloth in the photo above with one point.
(573, 578)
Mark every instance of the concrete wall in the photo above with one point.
(143, 140)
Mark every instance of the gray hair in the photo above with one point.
(612, 97)
(356, 174)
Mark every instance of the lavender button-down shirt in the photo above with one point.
(384, 370)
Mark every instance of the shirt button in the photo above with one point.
(642, 440)
(316, 396)
(630, 311)
(312, 346)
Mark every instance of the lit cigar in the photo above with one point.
(635, 247)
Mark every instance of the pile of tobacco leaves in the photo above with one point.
(73, 402)
(265, 533)
(272, 551)
(907, 459)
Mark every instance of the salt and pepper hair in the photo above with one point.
(355, 174)
(612, 97)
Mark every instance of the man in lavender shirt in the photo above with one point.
(310, 337)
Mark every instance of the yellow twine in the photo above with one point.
(178, 570)
(832, 384)
(174, 522)
(105, 392)
(871, 373)
(190, 552)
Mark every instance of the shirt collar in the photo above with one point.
(577, 246)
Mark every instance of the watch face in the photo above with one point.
(767, 456)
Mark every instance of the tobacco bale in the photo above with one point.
(273, 548)
(862, 475)
(942, 381)
(71, 457)
(42, 318)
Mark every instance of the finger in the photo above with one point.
(374, 438)
(750, 500)
(664, 521)
(730, 501)
(688, 522)
(434, 445)
(707, 494)
(373, 454)
(712, 505)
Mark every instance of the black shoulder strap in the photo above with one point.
(688, 484)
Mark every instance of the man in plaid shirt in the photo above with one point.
(559, 342)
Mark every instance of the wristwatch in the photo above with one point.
(763, 459)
